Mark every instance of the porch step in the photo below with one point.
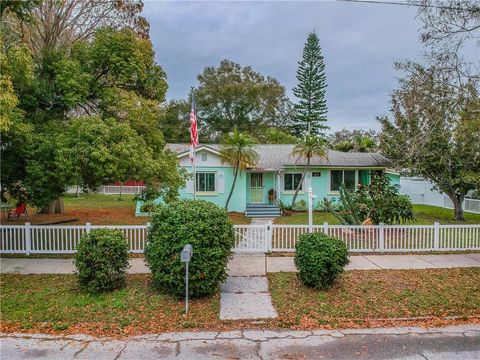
(262, 210)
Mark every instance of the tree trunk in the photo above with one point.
(233, 184)
(55, 207)
(457, 200)
(300, 184)
(120, 197)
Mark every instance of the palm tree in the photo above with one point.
(307, 148)
(364, 144)
(237, 148)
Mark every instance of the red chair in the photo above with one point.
(19, 210)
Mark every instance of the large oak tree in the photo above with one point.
(84, 113)
(433, 131)
(231, 96)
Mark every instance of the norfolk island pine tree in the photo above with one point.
(310, 115)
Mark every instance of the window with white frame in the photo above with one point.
(348, 177)
(291, 181)
(205, 181)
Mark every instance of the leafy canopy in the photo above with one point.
(231, 96)
(86, 113)
(433, 131)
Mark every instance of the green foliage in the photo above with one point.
(207, 228)
(433, 130)
(48, 171)
(102, 260)
(354, 140)
(284, 207)
(174, 121)
(149, 206)
(231, 96)
(124, 60)
(378, 201)
(21, 8)
(300, 205)
(237, 148)
(311, 110)
(15, 143)
(274, 135)
(305, 149)
(320, 259)
(84, 114)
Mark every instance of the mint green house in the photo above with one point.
(277, 172)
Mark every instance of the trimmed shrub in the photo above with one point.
(102, 260)
(200, 223)
(149, 206)
(300, 205)
(319, 259)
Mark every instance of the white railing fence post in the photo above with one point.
(28, 238)
(88, 227)
(268, 236)
(325, 228)
(436, 236)
(381, 238)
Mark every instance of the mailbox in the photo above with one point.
(186, 254)
(185, 257)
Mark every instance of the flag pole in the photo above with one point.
(194, 158)
(194, 173)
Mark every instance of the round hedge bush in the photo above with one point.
(102, 260)
(319, 259)
(207, 228)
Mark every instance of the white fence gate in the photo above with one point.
(40, 239)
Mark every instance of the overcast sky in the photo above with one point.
(360, 42)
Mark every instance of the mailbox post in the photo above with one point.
(310, 209)
(185, 257)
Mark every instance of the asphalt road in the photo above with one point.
(459, 342)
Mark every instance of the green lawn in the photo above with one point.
(426, 215)
(368, 296)
(99, 201)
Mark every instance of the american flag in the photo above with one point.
(193, 131)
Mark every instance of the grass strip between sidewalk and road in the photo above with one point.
(375, 296)
(54, 304)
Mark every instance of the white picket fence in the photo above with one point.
(39, 239)
(121, 189)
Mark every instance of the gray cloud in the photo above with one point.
(360, 42)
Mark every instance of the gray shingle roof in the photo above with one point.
(278, 156)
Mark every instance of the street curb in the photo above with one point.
(258, 335)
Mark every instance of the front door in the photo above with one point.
(256, 187)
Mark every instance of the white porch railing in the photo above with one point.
(39, 239)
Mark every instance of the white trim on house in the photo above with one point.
(329, 179)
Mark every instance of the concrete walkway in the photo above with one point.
(245, 295)
(258, 265)
(388, 262)
(454, 343)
